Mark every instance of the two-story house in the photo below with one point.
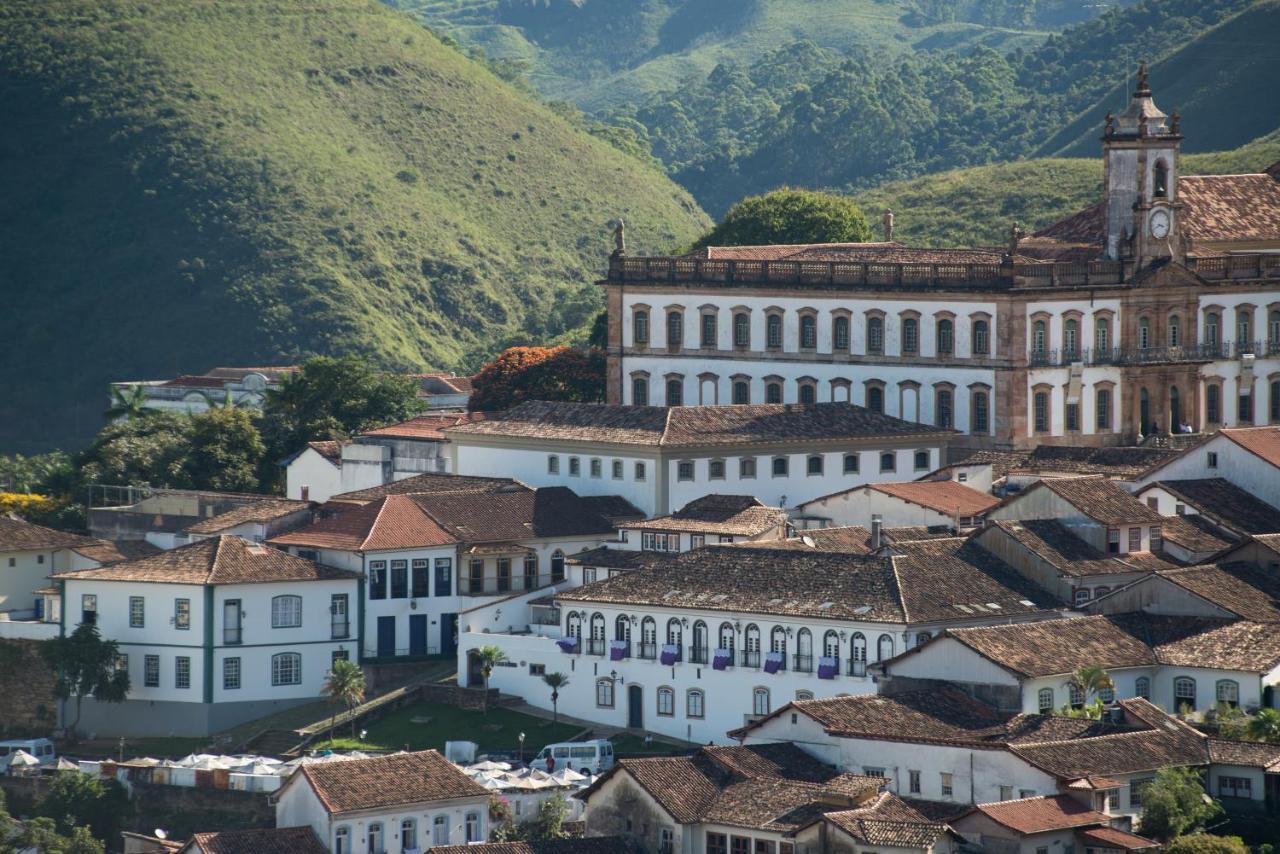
(213, 633)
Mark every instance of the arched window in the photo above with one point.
(596, 641)
(831, 644)
(1041, 411)
(875, 398)
(675, 329)
(473, 827)
(808, 332)
(604, 693)
(530, 571)
(342, 840)
(804, 651)
(557, 565)
(888, 462)
(1228, 691)
(1213, 403)
(1075, 695)
(666, 702)
(1212, 328)
(981, 344)
(751, 645)
(1107, 695)
(640, 391)
(1044, 700)
(875, 334)
(573, 625)
(803, 695)
(923, 638)
(1039, 338)
(408, 834)
(1142, 687)
(675, 392)
(910, 335)
(1184, 693)
(622, 628)
(1071, 338)
(1244, 330)
(1102, 338)
(884, 648)
(1175, 330)
(440, 830)
(726, 637)
(858, 655)
(773, 393)
(980, 414)
(648, 638)
(695, 703)
(946, 337)
(808, 393)
(779, 466)
(840, 334)
(944, 408)
(640, 328)
(675, 633)
(741, 329)
(1081, 595)
(813, 464)
(760, 701)
(778, 642)
(286, 612)
(698, 654)
(1160, 180)
(377, 845)
(741, 392)
(773, 331)
(1102, 406)
(286, 668)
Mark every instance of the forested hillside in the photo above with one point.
(222, 182)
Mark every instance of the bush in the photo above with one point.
(1205, 843)
(790, 216)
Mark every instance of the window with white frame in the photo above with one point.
(684, 470)
(597, 467)
(575, 466)
(286, 668)
(851, 463)
(151, 671)
(947, 782)
(137, 612)
(286, 612)
(1142, 687)
(182, 672)
(617, 469)
(1044, 700)
(553, 464)
(440, 830)
(888, 462)
(1228, 691)
(747, 467)
(760, 701)
(913, 782)
(666, 702)
(695, 703)
(342, 840)
(182, 614)
(230, 674)
(1184, 692)
(604, 693)
(472, 825)
(408, 834)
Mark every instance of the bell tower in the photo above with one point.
(1140, 150)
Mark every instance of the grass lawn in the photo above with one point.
(172, 747)
(496, 731)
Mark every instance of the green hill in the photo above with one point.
(975, 206)
(228, 182)
(1223, 83)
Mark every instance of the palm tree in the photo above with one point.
(489, 657)
(1265, 726)
(555, 681)
(345, 685)
(1091, 679)
(128, 405)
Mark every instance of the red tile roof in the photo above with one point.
(426, 427)
(385, 781)
(216, 560)
(266, 510)
(1262, 441)
(331, 450)
(19, 535)
(1040, 815)
(1112, 837)
(944, 496)
(278, 840)
(389, 523)
(740, 515)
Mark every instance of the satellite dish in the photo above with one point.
(808, 541)
(160, 834)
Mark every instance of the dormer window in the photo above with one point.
(1160, 184)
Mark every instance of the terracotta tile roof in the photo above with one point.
(1043, 814)
(1123, 462)
(1192, 533)
(426, 427)
(216, 560)
(1100, 499)
(1249, 754)
(278, 840)
(740, 515)
(851, 539)
(1230, 207)
(115, 551)
(1084, 227)
(927, 582)
(767, 786)
(423, 483)
(1115, 838)
(888, 820)
(389, 523)
(611, 558)
(1054, 543)
(910, 533)
(1262, 441)
(1225, 503)
(1206, 642)
(1243, 589)
(361, 784)
(1055, 646)
(693, 426)
(939, 811)
(19, 535)
(331, 450)
(578, 845)
(615, 508)
(515, 513)
(944, 496)
(255, 511)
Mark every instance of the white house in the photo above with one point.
(275, 840)
(213, 633)
(427, 556)
(697, 644)
(1248, 457)
(767, 798)
(1046, 823)
(1095, 509)
(315, 472)
(1228, 510)
(660, 458)
(709, 519)
(925, 502)
(403, 803)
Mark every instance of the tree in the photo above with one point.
(151, 450)
(128, 405)
(1265, 726)
(41, 834)
(345, 685)
(539, 373)
(1091, 680)
(78, 801)
(86, 665)
(1175, 804)
(790, 216)
(226, 450)
(1205, 843)
(489, 658)
(555, 681)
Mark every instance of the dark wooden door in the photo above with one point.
(635, 706)
(417, 634)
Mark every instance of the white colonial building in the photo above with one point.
(660, 458)
(213, 633)
(1152, 311)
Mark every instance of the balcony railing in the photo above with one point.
(596, 646)
(470, 585)
(751, 658)
(648, 649)
(857, 667)
(232, 636)
(802, 663)
(698, 655)
(1134, 356)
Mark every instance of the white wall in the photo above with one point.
(529, 465)
(21, 574)
(856, 507)
(314, 471)
(1241, 467)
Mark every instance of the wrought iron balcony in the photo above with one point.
(648, 649)
(1136, 355)
(751, 658)
(698, 654)
(596, 646)
(803, 663)
(857, 667)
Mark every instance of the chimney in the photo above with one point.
(875, 532)
(886, 225)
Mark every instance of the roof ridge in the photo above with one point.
(897, 583)
(666, 425)
(217, 555)
(373, 526)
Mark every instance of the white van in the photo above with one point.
(587, 757)
(40, 748)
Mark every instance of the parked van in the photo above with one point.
(587, 757)
(40, 748)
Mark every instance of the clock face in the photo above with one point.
(1159, 224)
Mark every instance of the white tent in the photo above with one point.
(22, 759)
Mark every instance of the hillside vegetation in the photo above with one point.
(223, 182)
(975, 206)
